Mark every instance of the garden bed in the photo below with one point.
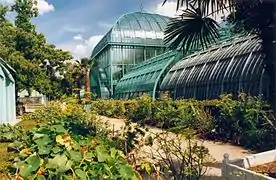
(260, 166)
(266, 169)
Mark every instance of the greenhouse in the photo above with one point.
(7, 94)
(230, 67)
(146, 77)
(134, 38)
(132, 59)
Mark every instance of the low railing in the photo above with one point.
(238, 169)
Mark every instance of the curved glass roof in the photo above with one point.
(135, 28)
(226, 68)
(145, 76)
(6, 69)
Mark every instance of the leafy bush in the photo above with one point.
(10, 133)
(113, 108)
(245, 120)
(51, 152)
(71, 143)
(74, 117)
(181, 156)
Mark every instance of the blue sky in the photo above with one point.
(77, 25)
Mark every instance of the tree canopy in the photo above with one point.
(26, 51)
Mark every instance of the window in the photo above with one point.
(139, 55)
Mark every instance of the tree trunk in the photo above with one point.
(87, 83)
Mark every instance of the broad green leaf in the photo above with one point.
(18, 164)
(76, 146)
(81, 174)
(68, 165)
(59, 129)
(88, 156)
(120, 153)
(26, 170)
(60, 163)
(44, 150)
(37, 136)
(113, 152)
(102, 153)
(56, 149)
(45, 140)
(34, 161)
(75, 156)
(126, 172)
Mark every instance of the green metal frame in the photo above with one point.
(147, 76)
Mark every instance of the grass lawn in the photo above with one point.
(6, 157)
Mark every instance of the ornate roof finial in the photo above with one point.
(141, 8)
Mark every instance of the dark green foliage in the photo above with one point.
(191, 30)
(246, 121)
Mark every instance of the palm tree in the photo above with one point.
(196, 27)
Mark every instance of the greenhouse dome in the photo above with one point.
(7, 94)
(133, 38)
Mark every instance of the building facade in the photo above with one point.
(134, 38)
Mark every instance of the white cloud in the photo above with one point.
(78, 37)
(83, 49)
(168, 9)
(43, 7)
(6, 1)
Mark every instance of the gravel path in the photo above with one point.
(216, 149)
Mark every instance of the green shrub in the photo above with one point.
(244, 120)
(181, 156)
(51, 152)
(9, 133)
(71, 143)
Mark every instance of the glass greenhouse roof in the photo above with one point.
(135, 28)
(145, 76)
(229, 67)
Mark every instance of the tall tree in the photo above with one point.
(196, 27)
(25, 50)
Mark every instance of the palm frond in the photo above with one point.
(191, 31)
(210, 7)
